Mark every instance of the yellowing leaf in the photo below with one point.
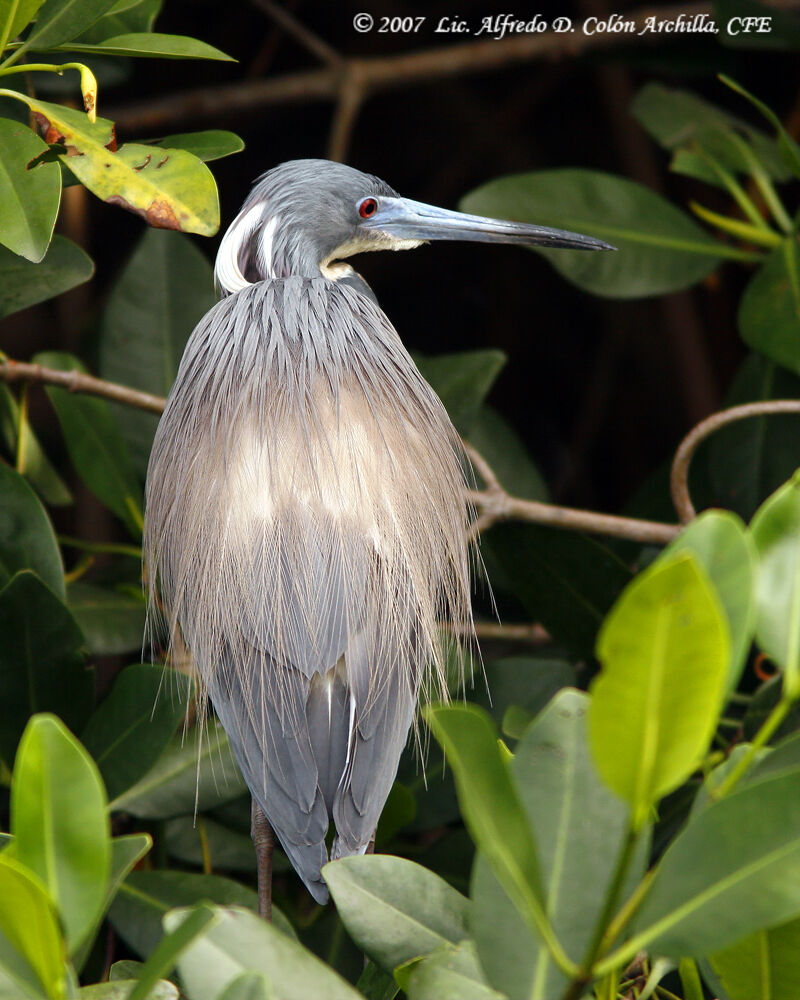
(169, 188)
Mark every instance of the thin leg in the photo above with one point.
(371, 846)
(264, 841)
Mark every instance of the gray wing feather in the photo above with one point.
(276, 758)
(382, 716)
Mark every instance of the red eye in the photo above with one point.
(367, 208)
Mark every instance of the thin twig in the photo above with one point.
(493, 504)
(75, 381)
(304, 36)
(532, 632)
(497, 505)
(385, 72)
(351, 97)
(679, 475)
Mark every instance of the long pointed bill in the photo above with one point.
(414, 220)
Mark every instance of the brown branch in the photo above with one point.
(383, 72)
(75, 381)
(679, 474)
(493, 503)
(532, 632)
(351, 97)
(304, 36)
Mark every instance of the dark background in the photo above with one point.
(600, 390)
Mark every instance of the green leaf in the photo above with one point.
(122, 989)
(565, 580)
(166, 288)
(528, 682)
(659, 248)
(788, 147)
(677, 118)
(30, 458)
(144, 898)
(711, 888)
(31, 947)
(30, 198)
(247, 986)
(130, 730)
(59, 822)
(489, 802)
(763, 966)
(462, 381)
(394, 909)
(163, 958)
(41, 665)
(195, 772)
(241, 942)
(665, 651)
(125, 968)
(375, 984)
(60, 21)
(16, 15)
(724, 548)
(579, 829)
(399, 811)
(124, 17)
(751, 458)
(769, 311)
(125, 852)
(154, 45)
(111, 620)
(212, 144)
(27, 539)
(95, 444)
(776, 533)
(186, 838)
(169, 188)
(23, 284)
(450, 973)
(503, 449)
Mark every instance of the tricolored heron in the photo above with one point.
(305, 525)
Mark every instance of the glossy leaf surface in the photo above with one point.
(186, 776)
(133, 726)
(31, 947)
(241, 942)
(665, 651)
(24, 284)
(713, 888)
(579, 829)
(154, 45)
(161, 295)
(30, 198)
(42, 667)
(725, 550)
(394, 909)
(59, 822)
(776, 532)
(27, 539)
(95, 444)
(659, 248)
(111, 620)
(769, 311)
(489, 802)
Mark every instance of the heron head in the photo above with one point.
(305, 217)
